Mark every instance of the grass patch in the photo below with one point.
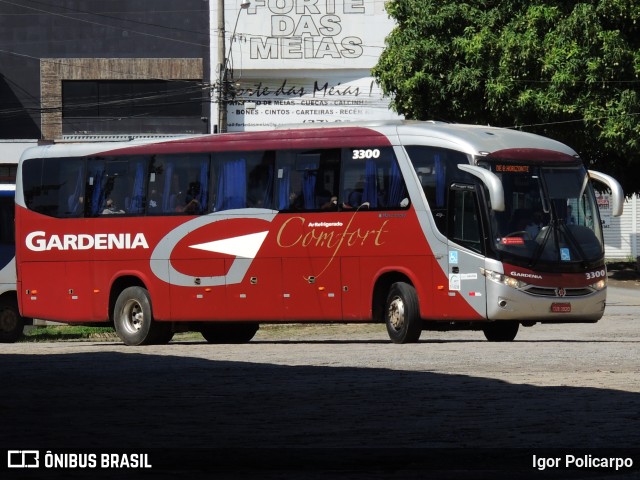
(64, 332)
(283, 331)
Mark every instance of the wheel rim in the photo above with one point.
(396, 313)
(133, 316)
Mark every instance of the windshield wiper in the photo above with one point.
(542, 245)
(549, 208)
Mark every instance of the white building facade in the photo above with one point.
(301, 61)
(621, 233)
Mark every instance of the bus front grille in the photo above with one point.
(557, 292)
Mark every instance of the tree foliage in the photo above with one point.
(565, 69)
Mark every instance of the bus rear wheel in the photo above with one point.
(402, 315)
(229, 332)
(11, 323)
(133, 319)
(501, 331)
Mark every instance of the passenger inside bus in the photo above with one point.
(331, 204)
(111, 207)
(353, 198)
(296, 201)
(534, 225)
(188, 203)
(185, 204)
(154, 203)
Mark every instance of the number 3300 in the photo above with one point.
(368, 153)
(596, 274)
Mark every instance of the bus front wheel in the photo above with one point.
(501, 331)
(11, 323)
(402, 315)
(133, 319)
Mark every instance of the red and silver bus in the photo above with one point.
(11, 323)
(419, 225)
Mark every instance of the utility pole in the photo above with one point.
(223, 63)
(222, 71)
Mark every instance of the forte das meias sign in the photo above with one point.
(339, 30)
(306, 101)
(305, 61)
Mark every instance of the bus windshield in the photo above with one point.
(551, 216)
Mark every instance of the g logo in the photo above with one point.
(244, 248)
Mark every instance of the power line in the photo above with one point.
(105, 15)
(317, 62)
(581, 120)
(105, 25)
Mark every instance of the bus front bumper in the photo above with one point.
(506, 303)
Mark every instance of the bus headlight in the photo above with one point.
(599, 285)
(503, 279)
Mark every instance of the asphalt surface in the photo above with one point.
(336, 401)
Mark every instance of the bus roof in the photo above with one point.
(471, 139)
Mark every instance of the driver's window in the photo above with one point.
(464, 218)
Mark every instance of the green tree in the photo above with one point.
(564, 69)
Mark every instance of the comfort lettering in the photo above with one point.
(332, 239)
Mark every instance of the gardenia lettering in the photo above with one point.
(40, 242)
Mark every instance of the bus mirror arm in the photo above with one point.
(617, 195)
(491, 181)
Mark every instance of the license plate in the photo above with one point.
(561, 307)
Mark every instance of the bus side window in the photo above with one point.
(243, 179)
(154, 187)
(178, 184)
(75, 199)
(284, 191)
(7, 235)
(231, 184)
(431, 170)
(437, 169)
(94, 188)
(116, 185)
(260, 180)
(307, 180)
(49, 186)
(372, 180)
(464, 218)
(135, 199)
(328, 180)
(307, 166)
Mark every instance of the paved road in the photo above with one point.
(346, 387)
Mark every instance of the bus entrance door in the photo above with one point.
(466, 251)
(467, 282)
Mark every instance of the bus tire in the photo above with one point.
(402, 315)
(501, 331)
(133, 318)
(229, 332)
(11, 322)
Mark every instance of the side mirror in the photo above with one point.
(491, 181)
(617, 195)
